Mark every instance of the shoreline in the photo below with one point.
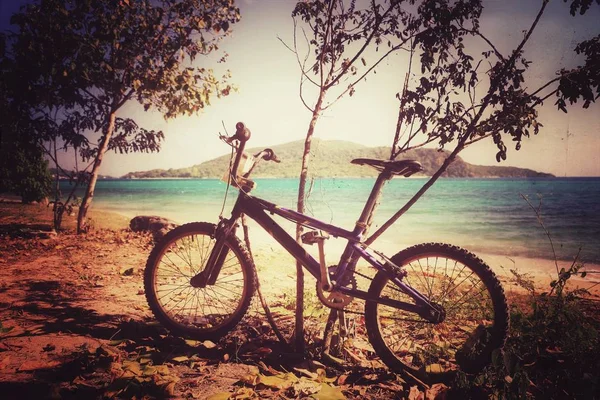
(486, 177)
(498, 261)
(541, 270)
(385, 245)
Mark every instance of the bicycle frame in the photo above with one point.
(255, 209)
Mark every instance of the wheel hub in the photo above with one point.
(434, 313)
(198, 281)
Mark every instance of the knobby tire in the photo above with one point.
(198, 313)
(475, 325)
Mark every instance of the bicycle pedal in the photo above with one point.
(313, 237)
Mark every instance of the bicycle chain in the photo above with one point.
(346, 310)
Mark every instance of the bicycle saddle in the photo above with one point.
(399, 167)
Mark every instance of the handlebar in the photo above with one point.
(242, 135)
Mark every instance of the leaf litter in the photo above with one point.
(71, 310)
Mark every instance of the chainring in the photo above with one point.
(335, 299)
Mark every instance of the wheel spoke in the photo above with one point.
(451, 279)
(198, 311)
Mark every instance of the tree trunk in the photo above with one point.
(299, 340)
(57, 210)
(89, 191)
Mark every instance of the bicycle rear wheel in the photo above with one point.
(476, 314)
(199, 313)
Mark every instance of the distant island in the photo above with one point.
(331, 158)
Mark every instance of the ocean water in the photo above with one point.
(482, 215)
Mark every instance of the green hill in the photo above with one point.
(331, 158)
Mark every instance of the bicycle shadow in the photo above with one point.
(131, 357)
(86, 354)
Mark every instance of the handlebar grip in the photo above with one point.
(274, 158)
(241, 132)
(270, 156)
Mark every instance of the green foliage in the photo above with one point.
(75, 64)
(86, 59)
(551, 353)
(107, 52)
(582, 82)
(23, 169)
(439, 103)
(332, 159)
(552, 349)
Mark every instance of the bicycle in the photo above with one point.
(431, 309)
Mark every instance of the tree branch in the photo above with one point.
(461, 141)
(353, 84)
(363, 47)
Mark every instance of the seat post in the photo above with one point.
(366, 217)
(348, 257)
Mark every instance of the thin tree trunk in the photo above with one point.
(262, 299)
(89, 191)
(299, 340)
(58, 209)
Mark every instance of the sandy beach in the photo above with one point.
(73, 303)
(542, 271)
(74, 322)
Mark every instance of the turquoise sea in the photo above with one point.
(483, 215)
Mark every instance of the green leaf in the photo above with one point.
(145, 360)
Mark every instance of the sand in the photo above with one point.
(65, 300)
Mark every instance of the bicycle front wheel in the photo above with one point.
(200, 313)
(475, 321)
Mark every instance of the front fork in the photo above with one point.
(208, 276)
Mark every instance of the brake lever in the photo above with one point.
(228, 140)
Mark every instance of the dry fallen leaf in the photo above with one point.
(4, 362)
(219, 396)
(209, 345)
(437, 391)
(415, 394)
(329, 393)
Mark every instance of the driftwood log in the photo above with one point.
(158, 226)
(28, 231)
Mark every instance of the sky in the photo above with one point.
(267, 101)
